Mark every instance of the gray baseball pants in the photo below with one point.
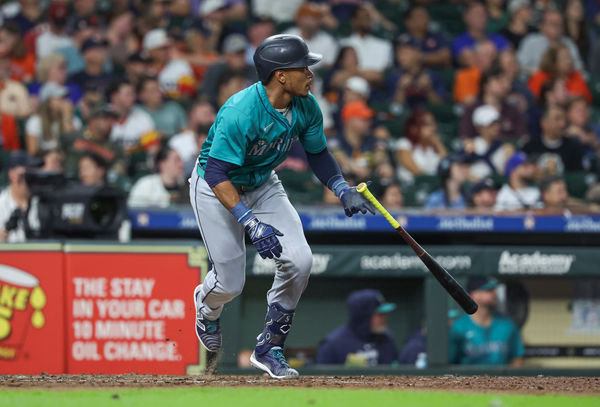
(224, 237)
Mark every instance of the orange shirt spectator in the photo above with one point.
(558, 63)
(9, 135)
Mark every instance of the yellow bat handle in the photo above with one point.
(362, 188)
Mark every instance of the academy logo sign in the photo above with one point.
(535, 263)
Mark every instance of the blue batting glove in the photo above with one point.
(264, 238)
(262, 235)
(353, 200)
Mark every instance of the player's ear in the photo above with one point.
(280, 76)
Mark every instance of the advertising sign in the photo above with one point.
(32, 312)
(130, 311)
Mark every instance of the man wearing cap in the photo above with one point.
(486, 337)
(14, 199)
(55, 36)
(358, 152)
(234, 48)
(233, 190)
(309, 19)
(93, 76)
(95, 138)
(488, 153)
(365, 340)
(520, 192)
(482, 196)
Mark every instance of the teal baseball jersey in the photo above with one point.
(251, 134)
(497, 344)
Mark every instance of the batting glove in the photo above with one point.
(264, 238)
(353, 200)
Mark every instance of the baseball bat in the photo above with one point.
(452, 286)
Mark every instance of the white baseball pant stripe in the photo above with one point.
(224, 237)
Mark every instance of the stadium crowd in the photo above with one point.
(446, 105)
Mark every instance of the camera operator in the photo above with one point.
(14, 199)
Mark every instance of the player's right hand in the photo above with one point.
(264, 238)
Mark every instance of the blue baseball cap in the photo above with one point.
(514, 161)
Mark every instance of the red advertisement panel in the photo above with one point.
(32, 336)
(130, 312)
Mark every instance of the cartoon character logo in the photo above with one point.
(21, 303)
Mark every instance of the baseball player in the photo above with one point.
(234, 189)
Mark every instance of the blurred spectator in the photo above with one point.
(487, 152)
(280, 11)
(365, 340)
(557, 63)
(520, 14)
(540, 7)
(435, 52)
(308, 26)
(486, 337)
(493, 90)
(569, 152)
(391, 197)
(234, 48)
(534, 45)
(54, 36)
(453, 172)
(520, 192)
(497, 15)
(345, 67)
(374, 54)
(28, 15)
(53, 68)
(357, 89)
(482, 196)
(55, 117)
(14, 98)
(578, 124)
(133, 123)
(519, 94)
(554, 194)
(14, 199)
(93, 75)
(475, 18)
(357, 151)
(22, 63)
(420, 150)
(175, 74)
(576, 27)
(92, 170)
(466, 82)
(169, 117)
(136, 67)
(200, 48)
(260, 28)
(164, 188)
(121, 38)
(189, 142)
(553, 93)
(228, 84)
(95, 138)
(414, 86)
(53, 161)
(82, 30)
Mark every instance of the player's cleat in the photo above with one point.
(207, 331)
(273, 362)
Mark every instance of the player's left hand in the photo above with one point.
(355, 202)
(264, 238)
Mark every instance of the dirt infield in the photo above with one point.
(476, 384)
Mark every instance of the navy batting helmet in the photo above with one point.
(282, 51)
